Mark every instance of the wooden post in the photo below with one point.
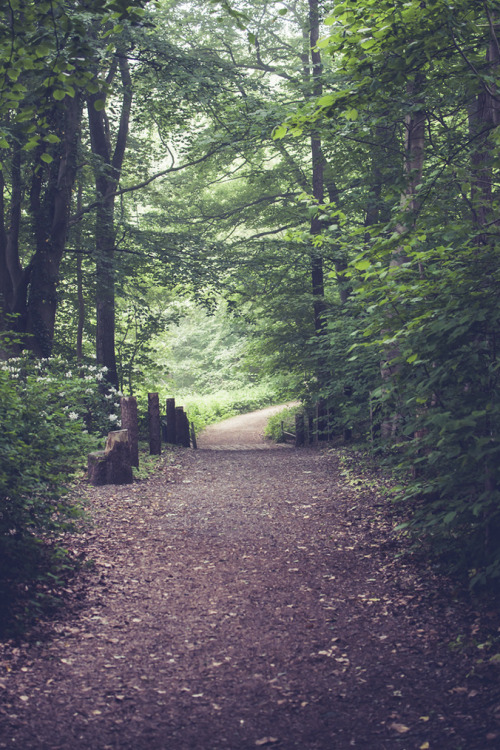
(130, 423)
(154, 424)
(186, 441)
(171, 434)
(299, 430)
(181, 427)
(193, 436)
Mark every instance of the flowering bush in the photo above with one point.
(50, 417)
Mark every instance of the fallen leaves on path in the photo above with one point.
(251, 599)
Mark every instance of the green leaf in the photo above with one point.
(58, 94)
(99, 104)
(279, 132)
(47, 158)
(362, 265)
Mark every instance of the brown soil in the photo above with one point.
(252, 598)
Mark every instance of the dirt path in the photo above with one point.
(241, 432)
(249, 599)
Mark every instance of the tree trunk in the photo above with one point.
(107, 175)
(484, 115)
(50, 205)
(414, 142)
(318, 161)
(79, 280)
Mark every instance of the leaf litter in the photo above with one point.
(208, 624)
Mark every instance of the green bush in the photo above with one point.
(287, 416)
(50, 417)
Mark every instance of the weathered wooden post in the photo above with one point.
(171, 435)
(193, 436)
(128, 406)
(300, 435)
(186, 440)
(154, 424)
(181, 427)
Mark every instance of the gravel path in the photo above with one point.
(245, 431)
(246, 599)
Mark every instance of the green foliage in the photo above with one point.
(50, 417)
(202, 353)
(445, 392)
(411, 359)
(209, 408)
(283, 420)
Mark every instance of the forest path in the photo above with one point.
(248, 599)
(243, 432)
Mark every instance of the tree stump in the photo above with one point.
(113, 464)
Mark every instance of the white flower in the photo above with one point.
(112, 417)
(69, 374)
(73, 415)
(63, 393)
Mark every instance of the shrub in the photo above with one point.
(50, 417)
(287, 416)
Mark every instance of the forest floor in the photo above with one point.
(252, 597)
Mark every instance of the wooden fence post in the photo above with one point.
(171, 435)
(299, 430)
(128, 406)
(154, 424)
(181, 427)
(193, 436)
